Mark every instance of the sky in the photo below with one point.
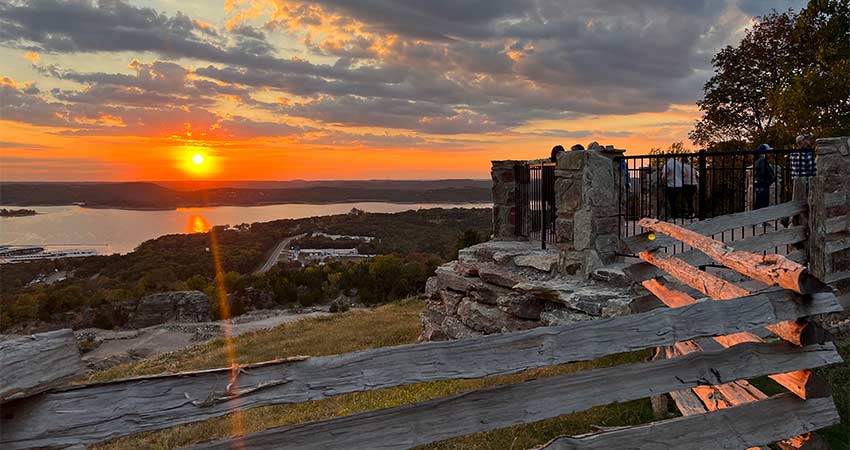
(115, 90)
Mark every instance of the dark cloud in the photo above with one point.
(451, 67)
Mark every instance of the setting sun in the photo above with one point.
(198, 159)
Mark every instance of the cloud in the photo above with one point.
(439, 67)
(25, 145)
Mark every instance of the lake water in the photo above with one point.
(120, 231)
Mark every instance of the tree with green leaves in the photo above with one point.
(787, 76)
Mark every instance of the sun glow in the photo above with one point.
(196, 161)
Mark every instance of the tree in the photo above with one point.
(787, 76)
(817, 98)
(735, 107)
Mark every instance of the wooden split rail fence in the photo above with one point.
(711, 349)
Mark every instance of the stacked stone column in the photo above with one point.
(504, 199)
(832, 159)
(587, 196)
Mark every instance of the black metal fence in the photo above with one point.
(682, 188)
(535, 202)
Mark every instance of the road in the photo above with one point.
(273, 258)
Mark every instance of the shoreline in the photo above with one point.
(252, 205)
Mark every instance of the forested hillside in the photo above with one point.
(413, 243)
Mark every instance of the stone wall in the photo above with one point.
(501, 286)
(833, 175)
(587, 196)
(504, 199)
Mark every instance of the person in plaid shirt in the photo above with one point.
(803, 161)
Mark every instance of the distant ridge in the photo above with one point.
(170, 195)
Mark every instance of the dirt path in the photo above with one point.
(116, 347)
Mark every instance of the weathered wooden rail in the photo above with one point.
(711, 349)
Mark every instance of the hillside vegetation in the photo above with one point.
(412, 242)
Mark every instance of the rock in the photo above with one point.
(611, 274)
(432, 325)
(449, 301)
(432, 287)
(542, 262)
(562, 316)
(340, 304)
(181, 306)
(616, 307)
(498, 276)
(487, 296)
(455, 329)
(522, 306)
(583, 234)
(466, 269)
(449, 278)
(582, 296)
(490, 319)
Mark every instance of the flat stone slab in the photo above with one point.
(588, 297)
(544, 262)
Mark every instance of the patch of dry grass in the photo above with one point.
(392, 324)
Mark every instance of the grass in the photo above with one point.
(838, 376)
(396, 324)
(391, 324)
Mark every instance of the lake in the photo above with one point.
(121, 231)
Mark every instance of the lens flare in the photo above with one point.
(238, 429)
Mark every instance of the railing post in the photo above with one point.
(703, 185)
(543, 218)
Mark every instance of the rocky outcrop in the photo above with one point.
(180, 306)
(502, 286)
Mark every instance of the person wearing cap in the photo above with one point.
(763, 177)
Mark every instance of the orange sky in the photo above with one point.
(276, 90)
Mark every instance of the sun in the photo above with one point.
(197, 159)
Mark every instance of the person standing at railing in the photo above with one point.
(763, 177)
(690, 181)
(672, 178)
(803, 161)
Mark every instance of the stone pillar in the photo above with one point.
(829, 225)
(504, 199)
(587, 196)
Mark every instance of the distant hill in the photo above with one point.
(149, 195)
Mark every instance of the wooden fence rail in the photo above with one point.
(772, 270)
(33, 364)
(487, 409)
(98, 412)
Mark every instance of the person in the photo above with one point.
(671, 176)
(556, 150)
(690, 180)
(803, 159)
(763, 177)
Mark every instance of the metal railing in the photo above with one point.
(687, 187)
(536, 210)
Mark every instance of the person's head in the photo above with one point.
(555, 150)
(805, 141)
(577, 148)
(763, 148)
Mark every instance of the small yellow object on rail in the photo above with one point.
(651, 236)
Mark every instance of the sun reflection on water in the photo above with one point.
(197, 224)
